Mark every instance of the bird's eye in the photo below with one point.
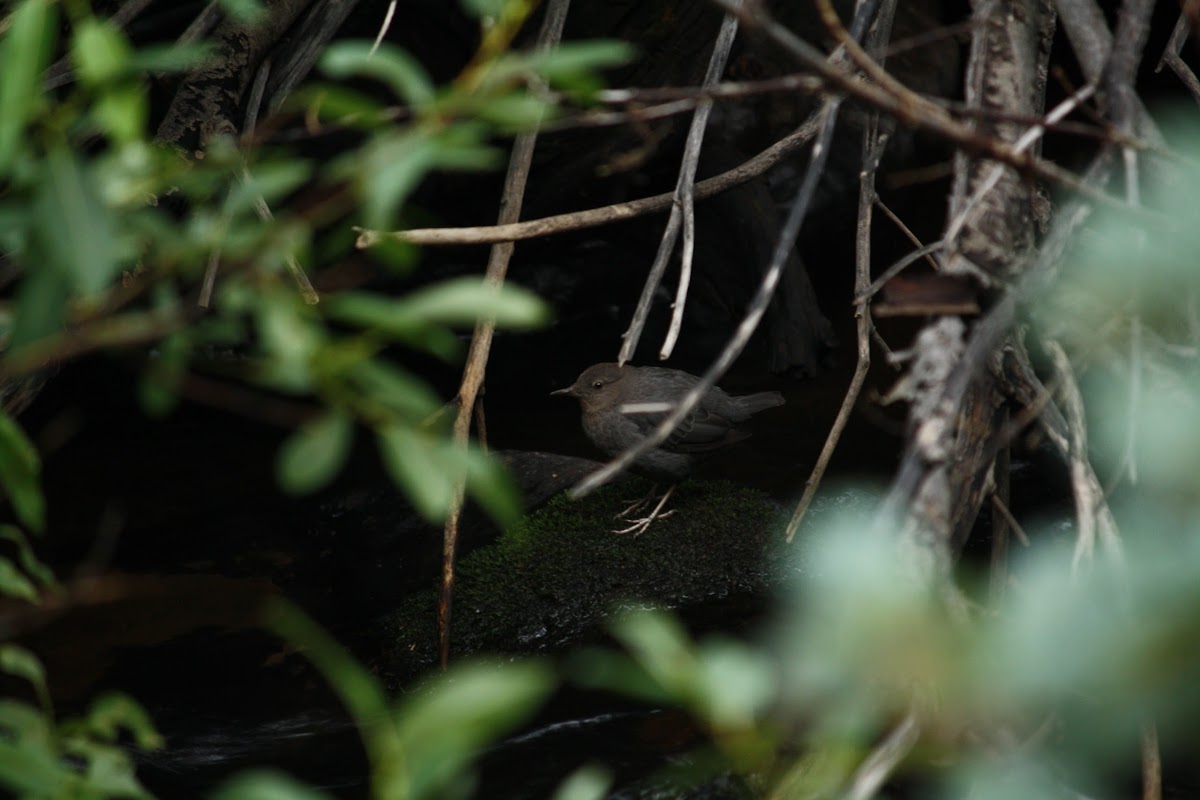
(598, 384)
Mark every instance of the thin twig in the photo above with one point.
(911, 109)
(1171, 58)
(899, 223)
(873, 144)
(383, 29)
(682, 211)
(873, 773)
(1151, 763)
(605, 215)
(1089, 499)
(895, 269)
(1006, 512)
(481, 341)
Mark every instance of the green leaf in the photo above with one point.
(571, 59)
(21, 663)
(483, 8)
(41, 301)
(262, 784)
(24, 51)
(386, 316)
(100, 52)
(290, 337)
(515, 112)
(26, 557)
(166, 59)
(246, 11)
(388, 170)
(661, 646)
(121, 111)
(389, 64)
(395, 388)
(108, 772)
(490, 484)
(270, 181)
(75, 228)
(114, 712)
(589, 782)
(19, 469)
(417, 464)
(463, 301)
(429, 469)
(450, 718)
(14, 583)
(312, 456)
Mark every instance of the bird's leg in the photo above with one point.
(640, 525)
(637, 505)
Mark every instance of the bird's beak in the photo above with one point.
(566, 391)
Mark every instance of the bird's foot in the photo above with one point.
(637, 505)
(639, 526)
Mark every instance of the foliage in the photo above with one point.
(113, 235)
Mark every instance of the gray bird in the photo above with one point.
(606, 392)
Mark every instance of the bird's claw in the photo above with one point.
(639, 526)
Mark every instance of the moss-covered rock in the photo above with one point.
(552, 581)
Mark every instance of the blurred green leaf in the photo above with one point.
(429, 468)
(342, 104)
(100, 52)
(114, 712)
(660, 645)
(483, 8)
(158, 389)
(290, 337)
(270, 182)
(247, 11)
(417, 463)
(594, 668)
(736, 684)
(312, 456)
(389, 64)
(30, 764)
(122, 112)
(24, 52)
(395, 388)
(571, 59)
(359, 691)
(25, 555)
(14, 583)
(171, 58)
(389, 168)
(515, 112)
(450, 718)
(19, 470)
(386, 316)
(589, 782)
(464, 301)
(107, 771)
(41, 302)
(75, 229)
(262, 784)
(21, 663)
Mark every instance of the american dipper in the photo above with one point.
(605, 391)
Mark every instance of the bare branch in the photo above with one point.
(481, 341)
(605, 215)
(682, 210)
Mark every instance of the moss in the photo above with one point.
(551, 581)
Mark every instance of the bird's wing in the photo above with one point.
(699, 431)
